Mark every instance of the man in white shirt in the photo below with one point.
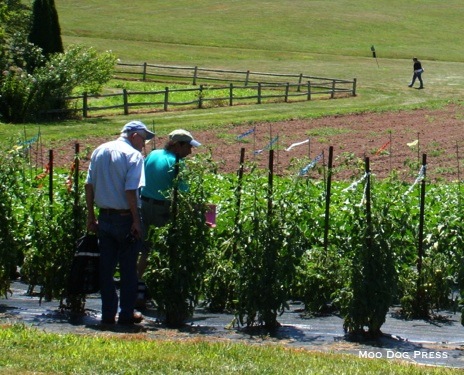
(114, 178)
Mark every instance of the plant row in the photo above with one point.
(276, 239)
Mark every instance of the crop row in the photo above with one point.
(276, 239)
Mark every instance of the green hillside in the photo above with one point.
(330, 38)
(322, 38)
(271, 29)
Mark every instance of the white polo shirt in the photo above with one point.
(115, 167)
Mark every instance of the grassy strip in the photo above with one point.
(26, 350)
(203, 119)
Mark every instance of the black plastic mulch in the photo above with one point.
(439, 341)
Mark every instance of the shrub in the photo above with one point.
(25, 96)
(12, 198)
(370, 289)
(176, 267)
(269, 244)
(36, 234)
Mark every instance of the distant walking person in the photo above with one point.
(417, 73)
(114, 178)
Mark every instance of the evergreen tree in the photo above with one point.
(14, 20)
(36, 73)
(45, 31)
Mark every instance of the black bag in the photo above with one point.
(85, 268)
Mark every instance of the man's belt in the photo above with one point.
(113, 211)
(155, 201)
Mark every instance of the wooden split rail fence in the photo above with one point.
(230, 87)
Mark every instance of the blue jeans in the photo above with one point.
(419, 77)
(152, 214)
(116, 246)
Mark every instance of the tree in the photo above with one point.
(35, 78)
(14, 16)
(23, 96)
(45, 31)
(14, 21)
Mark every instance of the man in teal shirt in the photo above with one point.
(159, 180)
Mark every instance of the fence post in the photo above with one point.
(200, 97)
(125, 101)
(76, 173)
(332, 94)
(76, 190)
(195, 73)
(270, 183)
(231, 94)
(309, 90)
(238, 196)
(354, 86)
(174, 211)
(421, 302)
(247, 77)
(259, 93)
(327, 200)
(166, 98)
(299, 82)
(85, 107)
(144, 75)
(50, 176)
(287, 88)
(370, 234)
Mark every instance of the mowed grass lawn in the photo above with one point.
(319, 38)
(30, 351)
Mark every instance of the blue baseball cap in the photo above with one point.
(136, 126)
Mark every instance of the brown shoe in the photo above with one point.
(136, 318)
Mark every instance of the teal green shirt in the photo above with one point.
(159, 175)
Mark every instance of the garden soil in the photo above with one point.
(395, 142)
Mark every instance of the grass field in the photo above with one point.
(29, 351)
(257, 32)
(320, 38)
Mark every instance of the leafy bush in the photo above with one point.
(37, 233)
(26, 95)
(12, 198)
(222, 259)
(269, 244)
(51, 246)
(320, 276)
(32, 83)
(176, 267)
(267, 247)
(370, 288)
(441, 275)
